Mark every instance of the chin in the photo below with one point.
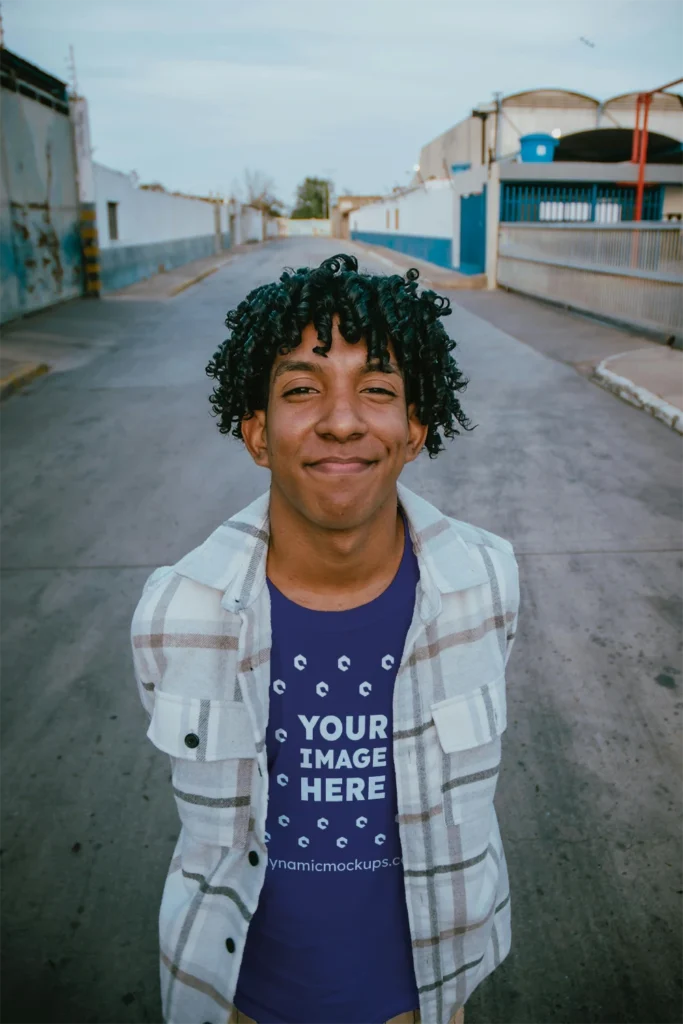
(341, 511)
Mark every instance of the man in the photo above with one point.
(327, 673)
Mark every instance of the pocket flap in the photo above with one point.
(471, 719)
(200, 730)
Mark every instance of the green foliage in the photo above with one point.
(312, 199)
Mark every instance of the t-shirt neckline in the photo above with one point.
(361, 615)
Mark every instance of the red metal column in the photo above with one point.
(635, 148)
(647, 100)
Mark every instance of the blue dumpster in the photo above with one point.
(538, 148)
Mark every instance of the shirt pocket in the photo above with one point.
(213, 758)
(469, 728)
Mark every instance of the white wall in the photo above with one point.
(250, 225)
(144, 216)
(86, 169)
(304, 228)
(673, 201)
(426, 211)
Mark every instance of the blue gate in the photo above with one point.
(473, 233)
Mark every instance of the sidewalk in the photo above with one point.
(29, 350)
(643, 372)
(17, 373)
(430, 274)
(170, 283)
(651, 378)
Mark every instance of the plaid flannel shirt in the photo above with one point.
(201, 639)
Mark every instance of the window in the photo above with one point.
(388, 220)
(112, 215)
(396, 219)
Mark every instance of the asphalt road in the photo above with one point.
(115, 466)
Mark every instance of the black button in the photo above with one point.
(253, 858)
(230, 945)
(192, 740)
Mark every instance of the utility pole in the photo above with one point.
(2, 31)
(72, 70)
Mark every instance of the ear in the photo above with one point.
(417, 435)
(255, 440)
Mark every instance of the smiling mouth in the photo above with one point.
(341, 466)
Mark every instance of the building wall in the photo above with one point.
(538, 111)
(40, 247)
(144, 216)
(340, 216)
(544, 111)
(425, 222)
(250, 225)
(673, 202)
(305, 228)
(156, 230)
(665, 115)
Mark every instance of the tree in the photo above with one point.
(259, 189)
(313, 199)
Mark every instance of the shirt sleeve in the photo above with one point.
(512, 606)
(145, 669)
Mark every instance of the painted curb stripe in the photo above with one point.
(640, 397)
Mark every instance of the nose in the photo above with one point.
(341, 418)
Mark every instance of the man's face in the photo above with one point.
(337, 433)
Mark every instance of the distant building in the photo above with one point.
(545, 156)
(581, 127)
(344, 207)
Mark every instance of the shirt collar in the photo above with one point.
(233, 558)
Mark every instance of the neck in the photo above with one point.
(333, 570)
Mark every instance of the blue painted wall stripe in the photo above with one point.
(434, 250)
(124, 265)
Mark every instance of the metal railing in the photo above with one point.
(632, 273)
(566, 202)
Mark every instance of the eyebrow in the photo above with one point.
(299, 366)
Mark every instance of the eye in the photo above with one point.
(381, 391)
(302, 389)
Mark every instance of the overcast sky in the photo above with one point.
(192, 92)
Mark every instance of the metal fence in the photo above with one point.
(567, 202)
(630, 273)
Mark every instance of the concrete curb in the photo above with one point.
(19, 378)
(195, 280)
(640, 397)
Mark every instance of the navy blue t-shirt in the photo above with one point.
(329, 942)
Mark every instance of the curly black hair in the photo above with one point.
(372, 308)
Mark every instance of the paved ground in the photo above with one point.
(114, 466)
(570, 338)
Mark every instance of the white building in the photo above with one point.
(139, 230)
(493, 130)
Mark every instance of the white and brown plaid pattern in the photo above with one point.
(201, 642)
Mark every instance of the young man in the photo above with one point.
(327, 673)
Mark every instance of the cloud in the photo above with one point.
(190, 94)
